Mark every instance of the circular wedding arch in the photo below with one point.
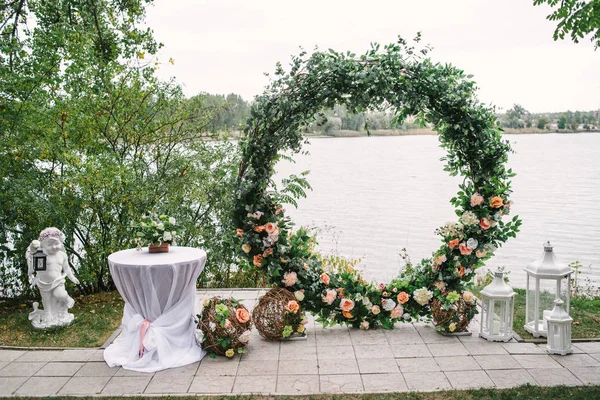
(398, 76)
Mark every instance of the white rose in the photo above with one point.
(299, 295)
(245, 337)
(364, 325)
(160, 226)
(472, 243)
(389, 305)
(422, 296)
(172, 221)
(167, 236)
(367, 302)
(406, 316)
(469, 218)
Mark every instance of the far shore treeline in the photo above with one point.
(231, 110)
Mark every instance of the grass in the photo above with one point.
(97, 316)
(519, 393)
(585, 314)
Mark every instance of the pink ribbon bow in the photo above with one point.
(143, 329)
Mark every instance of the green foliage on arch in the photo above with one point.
(397, 76)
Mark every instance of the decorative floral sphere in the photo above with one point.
(278, 315)
(225, 326)
(452, 319)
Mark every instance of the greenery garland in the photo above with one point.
(400, 77)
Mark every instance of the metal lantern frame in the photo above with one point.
(546, 269)
(559, 330)
(498, 295)
(39, 260)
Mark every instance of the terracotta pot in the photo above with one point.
(163, 248)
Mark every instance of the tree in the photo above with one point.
(515, 116)
(562, 122)
(542, 122)
(92, 140)
(576, 18)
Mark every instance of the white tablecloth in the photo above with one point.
(160, 289)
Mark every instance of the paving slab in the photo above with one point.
(389, 382)
(212, 384)
(417, 365)
(265, 384)
(457, 363)
(168, 385)
(21, 368)
(9, 384)
(84, 385)
(587, 375)
(554, 377)
(297, 384)
(530, 361)
(341, 384)
(10, 355)
(429, 382)
(96, 369)
(249, 368)
(60, 369)
(373, 351)
(471, 380)
(378, 366)
(410, 350)
(498, 361)
(298, 367)
(479, 348)
(508, 378)
(42, 386)
(338, 367)
(120, 385)
(40, 355)
(445, 350)
(576, 360)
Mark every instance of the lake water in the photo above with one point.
(373, 196)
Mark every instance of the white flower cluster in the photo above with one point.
(451, 229)
(469, 218)
(422, 296)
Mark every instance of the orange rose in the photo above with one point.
(461, 271)
(402, 297)
(453, 243)
(347, 314)
(484, 223)
(340, 292)
(240, 232)
(258, 260)
(464, 249)
(496, 202)
(292, 306)
(267, 252)
(242, 315)
(346, 304)
(259, 228)
(325, 278)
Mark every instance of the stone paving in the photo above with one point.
(412, 357)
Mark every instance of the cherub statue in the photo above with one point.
(51, 281)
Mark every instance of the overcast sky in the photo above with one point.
(226, 46)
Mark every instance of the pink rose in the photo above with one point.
(272, 228)
(329, 296)
(290, 278)
(381, 285)
(485, 223)
(464, 249)
(346, 304)
(292, 306)
(476, 200)
(325, 278)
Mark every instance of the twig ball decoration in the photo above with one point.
(457, 317)
(271, 314)
(225, 326)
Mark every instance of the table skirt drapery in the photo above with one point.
(161, 290)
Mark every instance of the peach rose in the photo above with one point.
(480, 253)
(440, 285)
(267, 252)
(402, 297)
(325, 278)
(272, 228)
(397, 312)
(330, 296)
(242, 315)
(239, 232)
(259, 228)
(496, 202)
(476, 200)
(290, 278)
(292, 306)
(453, 243)
(484, 223)
(468, 296)
(461, 271)
(440, 259)
(347, 314)
(258, 260)
(346, 304)
(464, 249)
(375, 310)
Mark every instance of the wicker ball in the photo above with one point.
(214, 328)
(460, 315)
(271, 316)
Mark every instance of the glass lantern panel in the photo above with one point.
(564, 292)
(547, 296)
(500, 317)
(531, 306)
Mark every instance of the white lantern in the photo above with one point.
(559, 330)
(497, 310)
(547, 280)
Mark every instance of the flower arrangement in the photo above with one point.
(155, 230)
(278, 314)
(225, 325)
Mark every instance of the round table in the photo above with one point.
(159, 289)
